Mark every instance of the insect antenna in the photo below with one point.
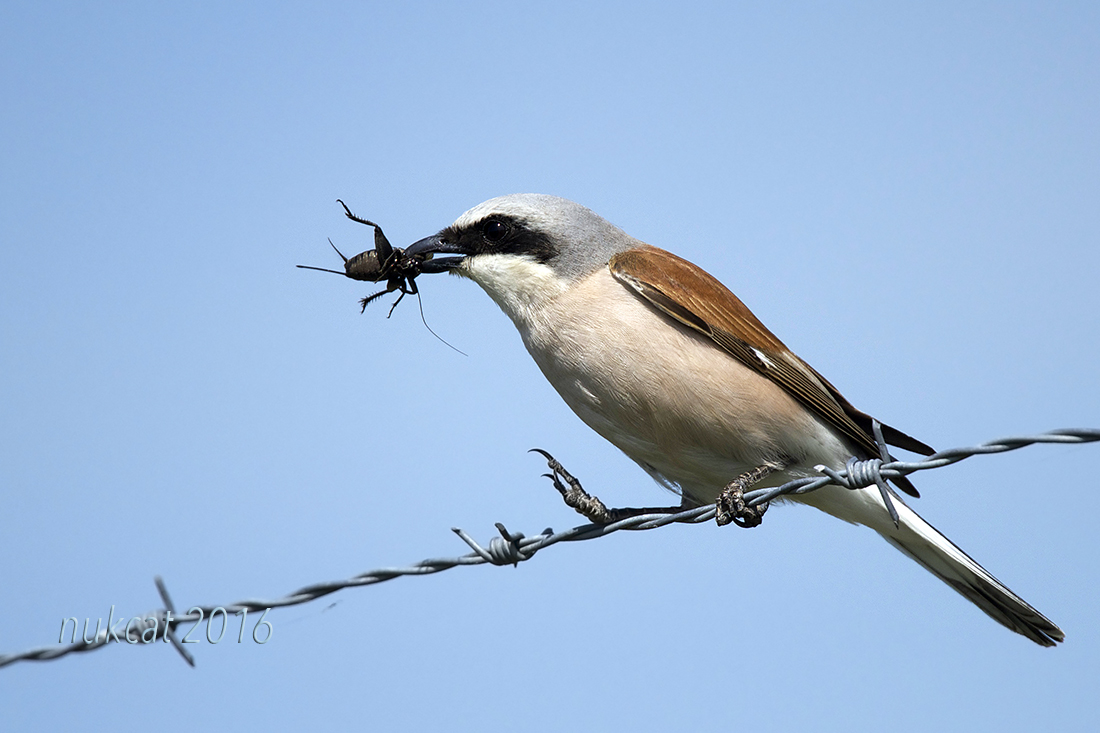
(345, 259)
(322, 269)
(420, 301)
(325, 269)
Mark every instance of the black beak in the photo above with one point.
(429, 246)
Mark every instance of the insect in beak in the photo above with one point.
(384, 262)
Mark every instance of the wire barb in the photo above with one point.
(513, 548)
(169, 629)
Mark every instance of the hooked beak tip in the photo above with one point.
(426, 246)
(431, 245)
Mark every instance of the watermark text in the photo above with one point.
(153, 627)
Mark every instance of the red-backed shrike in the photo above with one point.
(662, 360)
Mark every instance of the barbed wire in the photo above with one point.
(512, 548)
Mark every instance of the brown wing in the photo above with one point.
(693, 298)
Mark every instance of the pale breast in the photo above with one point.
(666, 396)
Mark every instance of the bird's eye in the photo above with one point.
(495, 230)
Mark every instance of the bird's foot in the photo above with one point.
(731, 506)
(575, 496)
(590, 506)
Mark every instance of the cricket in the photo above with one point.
(384, 262)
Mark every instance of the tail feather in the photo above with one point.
(940, 556)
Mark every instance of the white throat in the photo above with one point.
(517, 283)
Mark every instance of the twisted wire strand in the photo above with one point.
(511, 548)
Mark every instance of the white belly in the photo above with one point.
(667, 397)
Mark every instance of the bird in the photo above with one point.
(666, 363)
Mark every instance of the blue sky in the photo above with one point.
(907, 196)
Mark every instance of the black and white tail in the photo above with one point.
(940, 556)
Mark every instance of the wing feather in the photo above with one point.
(690, 296)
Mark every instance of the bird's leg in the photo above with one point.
(590, 506)
(575, 496)
(731, 507)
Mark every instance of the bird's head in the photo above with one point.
(525, 248)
